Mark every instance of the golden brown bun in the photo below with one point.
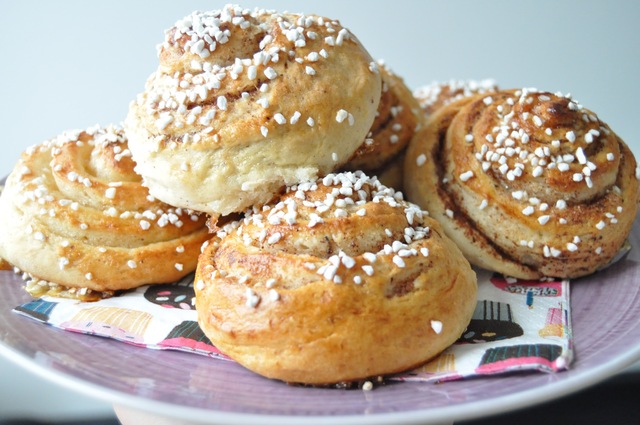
(397, 119)
(75, 214)
(246, 102)
(338, 281)
(527, 183)
(433, 96)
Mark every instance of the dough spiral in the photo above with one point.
(432, 97)
(245, 102)
(527, 183)
(397, 119)
(338, 280)
(78, 221)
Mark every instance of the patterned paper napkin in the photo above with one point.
(517, 325)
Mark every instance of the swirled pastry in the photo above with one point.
(338, 280)
(397, 119)
(433, 96)
(527, 183)
(246, 102)
(78, 221)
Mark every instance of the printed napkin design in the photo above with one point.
(153, 316)
(517, 325)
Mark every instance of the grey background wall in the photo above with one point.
(71, 64)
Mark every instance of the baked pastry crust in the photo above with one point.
(527, 183)
(77, 219)
(338, 280)
(397, 119)
(246, 102)
(432, 97)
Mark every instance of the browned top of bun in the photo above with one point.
(337, 280)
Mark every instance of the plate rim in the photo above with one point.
(567, 384)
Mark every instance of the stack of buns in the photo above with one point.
(251, 157)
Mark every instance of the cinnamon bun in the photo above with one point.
(245, 102)
(79, 223)
(527, 183)
(337, 280)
